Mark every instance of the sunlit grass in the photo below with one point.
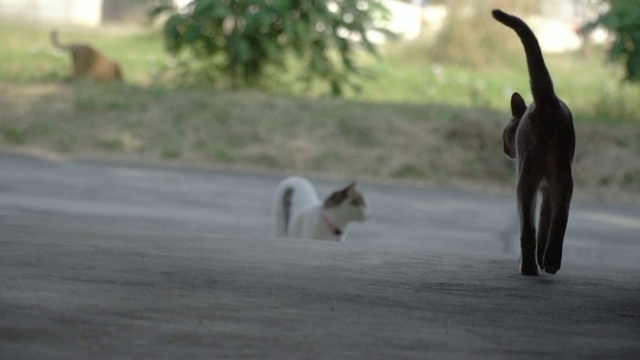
(587, 83)
(404, 74)
(28, 56)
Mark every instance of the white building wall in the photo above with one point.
(77, 12)
(406, 18)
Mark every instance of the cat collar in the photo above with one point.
(334, 229)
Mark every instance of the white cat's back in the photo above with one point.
(304, 194)
(293, 195)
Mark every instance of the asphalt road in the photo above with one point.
(101, 260)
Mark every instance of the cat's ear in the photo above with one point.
(518, 106)
(337, 197)
(350, 188)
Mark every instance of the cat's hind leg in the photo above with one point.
(527, 190)
(561, 193)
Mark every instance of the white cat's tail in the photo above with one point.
(283, 210)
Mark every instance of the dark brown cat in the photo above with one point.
(89, 62)
(541, 139)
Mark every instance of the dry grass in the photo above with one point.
(423, 144)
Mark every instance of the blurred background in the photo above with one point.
(404, 91)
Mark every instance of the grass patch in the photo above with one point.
(171, 152)
(13, 135)
(430, 144)
(110, 144)
(409, 72)
(65, 144)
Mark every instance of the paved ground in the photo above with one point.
(117, 261)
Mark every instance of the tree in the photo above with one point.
(623, 19)
(238, 39)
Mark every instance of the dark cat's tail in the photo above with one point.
(286, 208)
(541, 84)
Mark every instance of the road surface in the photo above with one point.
(103, 261)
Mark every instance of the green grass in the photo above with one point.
(587, 83)
(13, 135)
(407, 73)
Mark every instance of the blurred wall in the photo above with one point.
(75, 12)
(128, 11)
(406, 17)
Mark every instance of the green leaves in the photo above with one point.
(623, 19)
(253, 34)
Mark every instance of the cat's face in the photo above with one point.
(348, 203)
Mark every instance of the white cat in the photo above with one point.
(299, 212)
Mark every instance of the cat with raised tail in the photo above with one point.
(299, 213)
(541, 139)
(88, 62)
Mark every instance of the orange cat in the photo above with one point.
(89, 62)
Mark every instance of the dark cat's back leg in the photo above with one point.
(527, 190)
(561, 190)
